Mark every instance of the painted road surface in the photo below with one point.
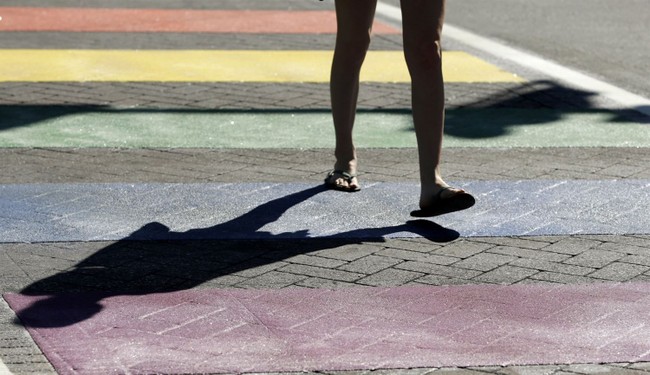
(494, 127)
(221, 66)
(159, 329)
(104, 212)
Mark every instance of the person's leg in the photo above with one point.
(354, 21)
(422, 22)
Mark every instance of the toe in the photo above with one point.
(450, 192)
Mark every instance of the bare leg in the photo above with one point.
(422, 28)
(354, 20)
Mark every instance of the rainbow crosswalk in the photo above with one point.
(46, 65)
(221, 66)
(132, 20)
(149, 83)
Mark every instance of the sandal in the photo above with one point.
(330, 182)
(462, 200)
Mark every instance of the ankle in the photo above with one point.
(349, 165)
(429, 191)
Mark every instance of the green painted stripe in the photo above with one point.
(67, 127)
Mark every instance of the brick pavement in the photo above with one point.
(556, 259)
(280, 264)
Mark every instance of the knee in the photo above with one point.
(352, 50)
(423, 54)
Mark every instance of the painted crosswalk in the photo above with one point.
(110, 212)
(80, 127)
(349, 329)
(149, 48)
(221, 66)
(172, 20)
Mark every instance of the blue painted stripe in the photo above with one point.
(83, 212)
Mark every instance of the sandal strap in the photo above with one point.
(346, 176)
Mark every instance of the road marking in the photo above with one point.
(293, 330)
(173, 20)
(21, 65)
(545, 66)
(113, 211)
(54, 127)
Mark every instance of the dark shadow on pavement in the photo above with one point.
(531, 103)
(143, 263)
(15, 116)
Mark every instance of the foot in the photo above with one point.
(342, 180)
(447, 199)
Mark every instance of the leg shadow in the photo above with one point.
(155, 260)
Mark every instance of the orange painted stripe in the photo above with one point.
(172, 20)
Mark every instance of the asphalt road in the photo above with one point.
(606, 39)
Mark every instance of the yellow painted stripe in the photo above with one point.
(222, 66)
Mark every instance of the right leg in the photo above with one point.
(354, 22)
(422, 28)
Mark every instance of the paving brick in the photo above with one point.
(594, 258)
(533, 243)
(639, 240)
(254, 270)
(528, 370)
(640, 366)
(324, 273)
(419, 245)
(348, 253)
(505, 275)
(223, 281)
(273, 279)
(463, 249)
(390, 277)
(442, 280)
(434, 269)
(316, 282)
(484, 261)
(406, 254)
(620, 271)
(623, 247)
(317, 261)
(415, 256)
(370, 264)
(572, 246)
(636, 259)
(415, 371)
(527, 253)
(623, 170)
(596, 369)
(552, 267)
(561, 278)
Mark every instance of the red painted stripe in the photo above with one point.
(294, 329)
(172, 20)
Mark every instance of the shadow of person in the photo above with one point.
(16, 116)
(530, 104)
(154, 259)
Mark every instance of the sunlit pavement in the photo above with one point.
(162, 208)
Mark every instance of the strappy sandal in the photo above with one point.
(333, 176)
(461, 200)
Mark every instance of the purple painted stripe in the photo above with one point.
(359, 328)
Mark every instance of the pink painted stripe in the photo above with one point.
(172, 20)
(348, 329)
